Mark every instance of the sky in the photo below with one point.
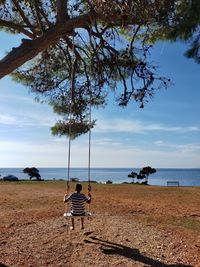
(165, 134)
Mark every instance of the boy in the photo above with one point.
(78, 208)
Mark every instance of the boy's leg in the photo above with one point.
(72, 219)
(82, 223)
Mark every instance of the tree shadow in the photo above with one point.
(111, 248)
(3, 265)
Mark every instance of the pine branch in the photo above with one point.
(61, 6)
(17, 27)
(45, 17)
(23, 16)
(38, 15)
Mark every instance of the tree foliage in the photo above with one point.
(76, 51)
(32, 172)
(133, 175)
(143, 174)
(185, 26)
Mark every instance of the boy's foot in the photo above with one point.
(71, 228)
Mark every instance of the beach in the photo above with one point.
(131, 225)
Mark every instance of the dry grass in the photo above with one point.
(133, 225)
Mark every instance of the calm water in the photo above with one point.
(186, 177)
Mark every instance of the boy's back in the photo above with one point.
(78, 199)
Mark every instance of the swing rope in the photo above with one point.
(70, 132)
(70, 125)
(90, 132)
(89, 154)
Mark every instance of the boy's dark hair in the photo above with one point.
(78, 187)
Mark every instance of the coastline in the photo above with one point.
(186, 177)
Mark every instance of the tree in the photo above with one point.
(32, 172)
(133, 175)
(74, 52)
(76, 116)
(81, 49)
(49, 23)
(145, 172)
(141, 177)
(185, 26)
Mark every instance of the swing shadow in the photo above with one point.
(3, 265)
(111, 248)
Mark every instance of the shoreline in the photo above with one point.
(96, 182)
(117, 176)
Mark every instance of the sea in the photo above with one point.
(185, 177)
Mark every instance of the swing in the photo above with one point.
(87, 213)
(70, 215)
(67, 213)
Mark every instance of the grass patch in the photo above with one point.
(187, 223)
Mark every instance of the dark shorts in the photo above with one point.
(74, 214)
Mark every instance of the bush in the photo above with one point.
(74, 180)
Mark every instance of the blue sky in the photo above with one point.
(166, 133)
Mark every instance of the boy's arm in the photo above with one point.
(66, 198)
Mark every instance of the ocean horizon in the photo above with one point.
(185, 176)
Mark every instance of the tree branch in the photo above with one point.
(39, 19)
(61, 6)
(31, 48)
(19, 28)
(45, 17)
(21, 12)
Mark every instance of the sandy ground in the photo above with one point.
(131, 226)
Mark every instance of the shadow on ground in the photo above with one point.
(3, 265)
(111, 248)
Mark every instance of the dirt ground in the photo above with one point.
(131, 225)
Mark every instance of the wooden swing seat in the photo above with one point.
(70, 215)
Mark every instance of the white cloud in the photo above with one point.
(121, 156)
(22, 120)
(136, 126)
(18, 154)
(14, 98)
(105, 142)
(103, 154)
(158, 142)
(7, 119)
(182, 148)
(108, 153)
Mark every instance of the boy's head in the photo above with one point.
(78, 187)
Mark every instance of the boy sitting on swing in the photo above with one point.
(78, 207)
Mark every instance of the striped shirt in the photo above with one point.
(77, 200)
